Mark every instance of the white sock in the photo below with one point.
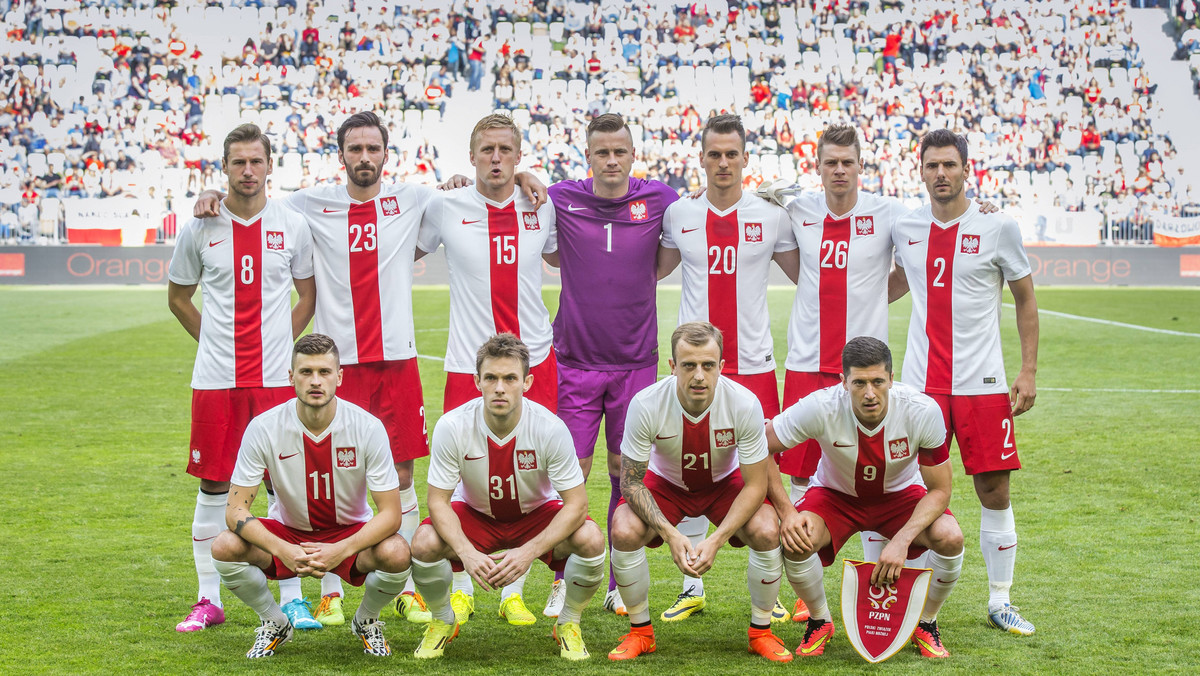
(921, 561)
(633, 579)
(797, 491)
(998, 542)
(207, 523)
(872, 544)
(945, 573)
(462, 582)
(289, 590)
(808, 580)
(582, 577)
(409, 521)
(378, 591)
(332, 584)
(433, 582)
(762, 575)
(249, 584)
(696, 529)
(515, 587)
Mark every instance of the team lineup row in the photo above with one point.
(348, 250)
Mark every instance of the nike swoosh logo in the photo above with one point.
(572, 207)
(841, 445)
(870, 539)
(285, 457)
(1006, 456)
(659, 436)
(814, 647)
(466, 222)
(411, 508)
(626, 585)
(478, 457)
(196, 539)
(330, 211)
(773, 581)
(212, 244)
(928, 647)
(686, 231)
(806, 223)
(946, 581)
(911, 242)
(585, 586)
(1007, 547)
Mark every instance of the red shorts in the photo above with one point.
(801, 460)
(983, 426)
(491, 535)
(391, 391)
(764, 386)
(219, 419)
(676, 503)
(845, 515)
(345, 569)
(460, 387)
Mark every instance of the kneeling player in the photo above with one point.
(519, 488)
(874, 434)
(701, 438)
(323, 455)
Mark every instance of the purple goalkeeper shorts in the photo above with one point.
(584, 396)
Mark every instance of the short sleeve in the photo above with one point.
(1010, 252)
(302, 260)
(185, 267)
(639, 431)
(933, 445)
(799, 422)
(429, 237)
(381, 472)
(786, 239)
(251, 460)
(752, 434)
(549, 216)
(668, 233)
(296, 200)
(563, 466)
(444, 470)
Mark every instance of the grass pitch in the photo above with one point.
(93, 435)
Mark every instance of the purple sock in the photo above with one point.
(613, 498)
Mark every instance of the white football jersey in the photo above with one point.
(844, 266)
(862, 462)
(503, 478)
(320, 481)
(363, 254)
(956, 273)
(494, 255)
(245, 272)
(694, 452)
(725, 261)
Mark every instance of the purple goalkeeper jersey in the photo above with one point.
(607, 315)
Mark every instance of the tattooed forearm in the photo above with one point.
(237, 528)
(638, 497)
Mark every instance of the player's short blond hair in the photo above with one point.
(496, 121)
(500, 346)
(839, 135)
(697, 334)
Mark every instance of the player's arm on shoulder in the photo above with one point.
(208, 204)
(1024, 388)
(667, 260)
(789, 262)
(897, 282)
(532, 187)
(455, 182)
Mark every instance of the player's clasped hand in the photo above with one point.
(891, 562)
(510, 565)
(683, 554)
(480, 567)
(705, 555)
(794, 531)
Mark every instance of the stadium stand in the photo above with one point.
(132, 97)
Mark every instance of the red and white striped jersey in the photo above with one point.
(844, 266)
(363, 254)
(494, 255)
(956, 272)
(503, 478)
(694, 452)
(320, 481)
(725, 261)
(245, 272)
(862, 462)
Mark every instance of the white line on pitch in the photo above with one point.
(1123, 390)
(1112, 323)
(429, 356)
